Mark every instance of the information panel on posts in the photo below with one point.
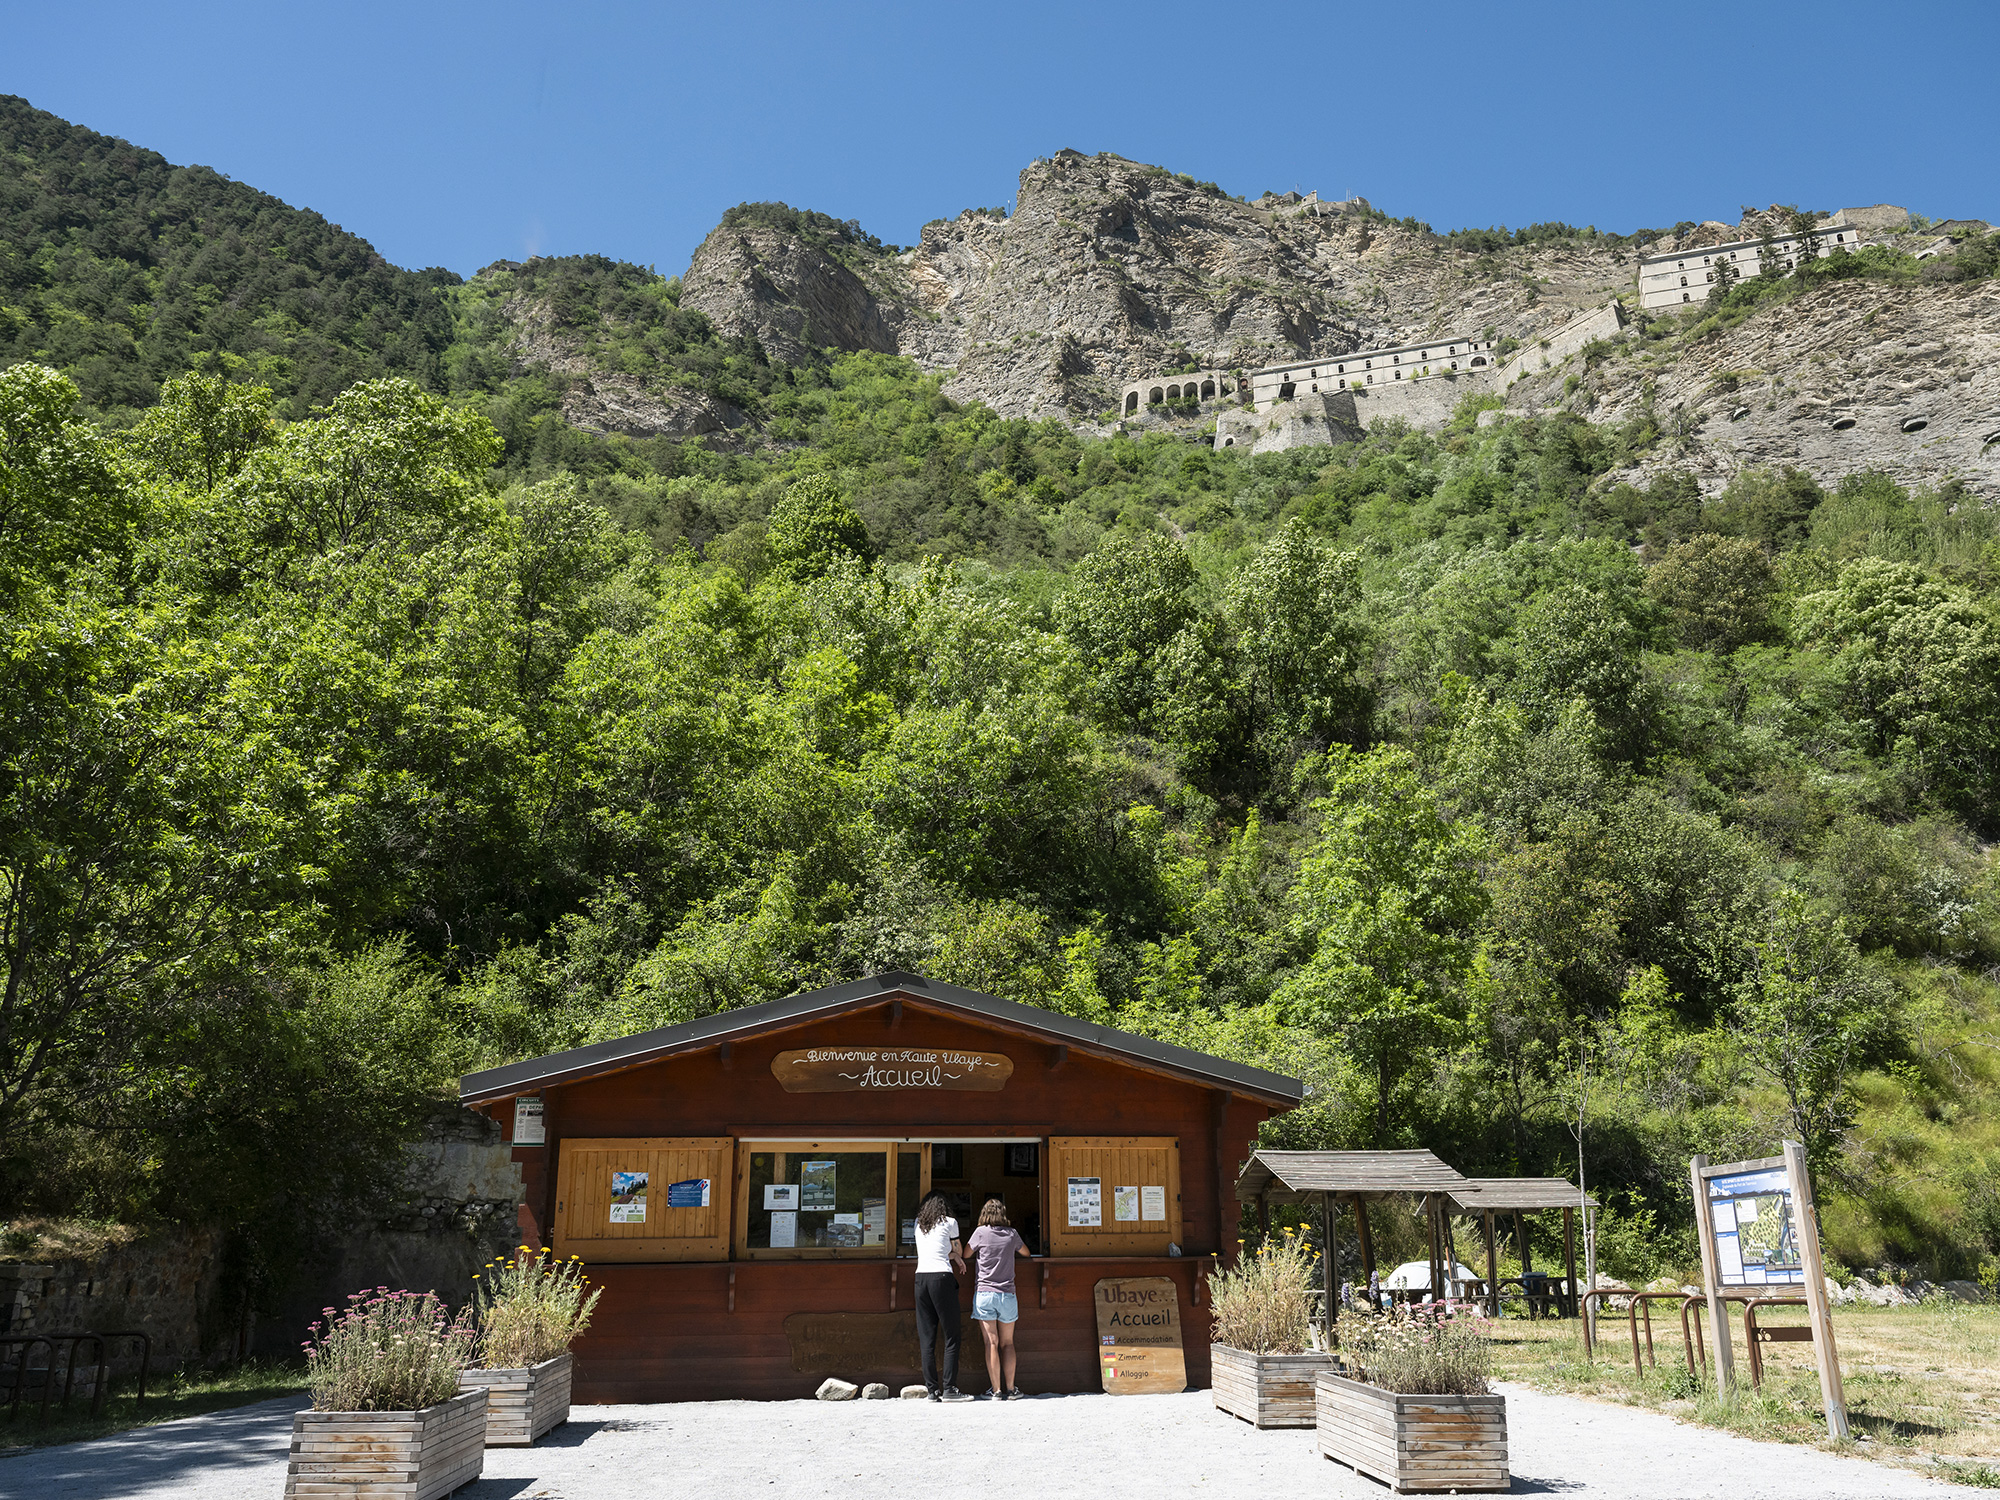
(1756, 1229)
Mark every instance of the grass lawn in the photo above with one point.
(1923, 1383)
(167, 1397)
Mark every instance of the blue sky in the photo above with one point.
(455, 135)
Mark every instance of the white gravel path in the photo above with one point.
(1048, 1448)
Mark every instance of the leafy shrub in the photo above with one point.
(530, 1308)
(1424, 1353)
(389, 1351)
(1680, 1383)
(1261, 1305)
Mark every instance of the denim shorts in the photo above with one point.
(995, 1307)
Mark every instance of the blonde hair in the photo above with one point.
(993, 1215)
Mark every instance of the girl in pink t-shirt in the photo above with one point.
(995, 1308)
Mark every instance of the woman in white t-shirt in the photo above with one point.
(938, 1256)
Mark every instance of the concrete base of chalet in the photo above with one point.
(1266, 1390)
(522, 1404)
(1430, 1443)
(407, 1455)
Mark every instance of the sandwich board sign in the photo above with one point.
(1759, 1238)
(1139, 1336)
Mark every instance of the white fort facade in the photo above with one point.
(1367, 367)
(1686, 275)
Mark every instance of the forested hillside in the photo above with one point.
(123, 270)
(1439, 770)
(406, 675)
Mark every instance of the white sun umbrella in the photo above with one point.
(1415, 1276)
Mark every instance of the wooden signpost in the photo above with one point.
(1759, 1236)
(1139, 1336)
(839, 1070)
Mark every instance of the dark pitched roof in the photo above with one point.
(778, 1015)
(1504, 1193)
(1289, 1175)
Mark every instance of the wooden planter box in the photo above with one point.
(1265, 1390)
(1414, 1442)
(521, 1405)
(410, 1455)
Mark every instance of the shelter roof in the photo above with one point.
(814, 1005)
(1286, 1176)
(1504, 1193)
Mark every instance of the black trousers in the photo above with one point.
(937, 1312)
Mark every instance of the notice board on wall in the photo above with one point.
(1139, 1336)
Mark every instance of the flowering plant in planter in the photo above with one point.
(1261, 1356)
(1261, 1306)
(387, 1351)
(1424, 1353)
(531, 1306)
(1417, 1413)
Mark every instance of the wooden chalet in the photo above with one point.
(743, 1186)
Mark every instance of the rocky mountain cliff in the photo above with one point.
(1110, 270)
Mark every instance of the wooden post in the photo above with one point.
(1264, 1214)
(1805, 1223)
(1367, 1245)
(1492, 1270)
(1521, 1243)
(1569, 1258)
(1437, 1246)
(1718, 1318)
(1326, 1260)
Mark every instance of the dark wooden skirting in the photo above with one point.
(666, 1333)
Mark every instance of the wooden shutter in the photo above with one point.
(1115, 1161)
(583, 1199)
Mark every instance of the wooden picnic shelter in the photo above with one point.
(1357, 1177)
(1491, 1196)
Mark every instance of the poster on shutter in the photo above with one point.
(1086, 1202)
(628, 1197)
(528, 1129)
(1152, 1202)
(1125, 1205)
(693, 1193)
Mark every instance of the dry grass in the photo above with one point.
(35, 1241)
(1922, 1383)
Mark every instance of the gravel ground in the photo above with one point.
(1050, 1448)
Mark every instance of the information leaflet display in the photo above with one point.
(1139, 1336)
(1086, 1202)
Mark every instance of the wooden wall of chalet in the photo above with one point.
(668, 1331)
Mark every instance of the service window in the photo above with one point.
(807, 1200)
(660, 1198)
(1114, 1195)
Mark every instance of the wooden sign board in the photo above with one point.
(839, 1070)
(1139, 1336)
(1759, 1234)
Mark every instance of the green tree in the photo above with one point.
(63, 501)
(1387, 900)
(1716, 590)
(1294, 609)
(1807, 1013)
(812, 525)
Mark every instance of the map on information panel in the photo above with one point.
(1756, 1231)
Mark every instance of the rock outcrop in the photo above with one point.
(1109, 270)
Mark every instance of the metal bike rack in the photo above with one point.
(145, 1353)
(1639, 1301)
(1753, 1335)
(27, 1342)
